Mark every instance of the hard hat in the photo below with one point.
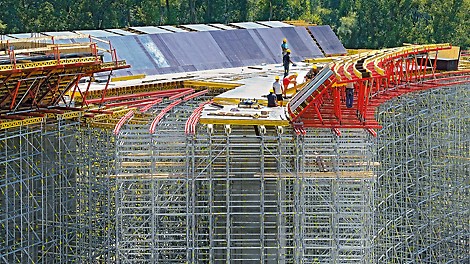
(271, 91)
(296, 74)
(288, 50)
(284, 40)
(276, 78)
(314, 67)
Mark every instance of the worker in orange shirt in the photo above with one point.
(287, 81)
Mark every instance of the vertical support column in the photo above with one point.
(153, 186)
(227, 193)
(262, 197)
(280, 193)
(191, 198)
(298, 199)
(211, 198)
(337, 102)
(118, 206)
(360, 98)
(367, 90)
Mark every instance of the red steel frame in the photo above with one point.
(404, 72)
(145, 101)
(44, 80)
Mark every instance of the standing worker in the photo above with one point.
(349, 94)
(286, 62)
(284, 46)
(278, 90)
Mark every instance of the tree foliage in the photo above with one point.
(359, 23)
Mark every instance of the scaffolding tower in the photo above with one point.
(251, 194)
(78, 193)
(38, 193)
(421, 191)
(233, 195)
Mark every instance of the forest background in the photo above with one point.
(358, 23)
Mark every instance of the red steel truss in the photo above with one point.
(36, 78)
(375, 77)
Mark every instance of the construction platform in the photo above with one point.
(108, 164)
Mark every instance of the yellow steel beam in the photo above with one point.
(18, 123)
(102, 125)
(320, 60)
(206, 84)
(106, 65)
(226, 101)
(70, 115)
(243, 122)
(127, 78)
(115, 116)
(134, 89)
(40, 64)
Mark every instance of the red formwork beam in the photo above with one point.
(190, 126)
(148, 105)
(194, 95)
(133, 102)
(162, 113)
(181, 94)
(164, 93)
(122, 121)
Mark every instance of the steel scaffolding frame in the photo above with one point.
(78, 193)
(241, 194)
(38, 193)
(422, 184)
(96, 198)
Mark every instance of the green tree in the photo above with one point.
(2, 27)
(359, 23)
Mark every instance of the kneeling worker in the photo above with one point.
(277, 89)
(312, 73)
(272, 99)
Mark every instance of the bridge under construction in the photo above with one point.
(104, 162)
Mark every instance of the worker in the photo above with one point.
(286, 61)
(278, 90)
(320, 162)
(284, 46)
(272, 99)
(288, 80)
(349, 94)
(311, 73)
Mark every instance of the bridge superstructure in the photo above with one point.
(142, 174)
